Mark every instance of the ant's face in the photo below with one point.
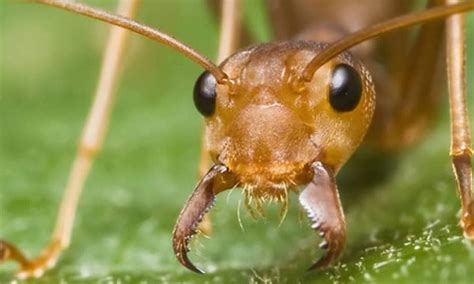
(267, 126)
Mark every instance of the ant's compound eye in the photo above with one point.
(345, 89)
(205, 94)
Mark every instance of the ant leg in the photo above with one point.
(91, 142)
(244, 37)
(230, 27)
(461, 150)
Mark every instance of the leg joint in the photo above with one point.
(462, 153)
(89, 151)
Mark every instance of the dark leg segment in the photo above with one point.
(461, 150)
(10, 252)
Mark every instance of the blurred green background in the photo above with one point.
(402, 230)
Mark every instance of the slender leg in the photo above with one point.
(91, 142)
(228, 43)
(461, 150)
(244, 36)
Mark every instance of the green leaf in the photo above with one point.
(401, 211)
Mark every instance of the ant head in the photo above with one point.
(267, 124)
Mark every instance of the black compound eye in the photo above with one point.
(205, 94)
(345, 89)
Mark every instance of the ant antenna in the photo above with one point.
(382, 28)
(141, 29)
